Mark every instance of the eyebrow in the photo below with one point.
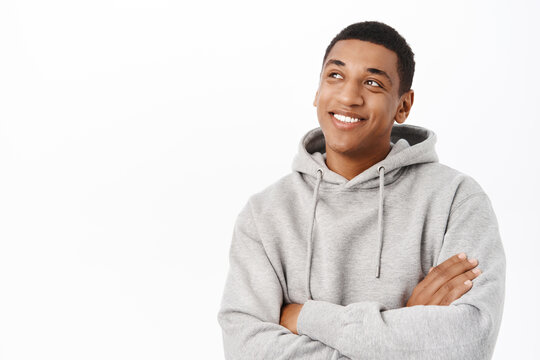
(369, 70)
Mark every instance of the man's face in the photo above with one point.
(360, 80)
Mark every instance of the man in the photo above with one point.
(368, 248)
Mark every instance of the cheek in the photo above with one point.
(327, 92)
(380, 105)
(323, 100)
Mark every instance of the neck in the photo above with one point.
(350, 166)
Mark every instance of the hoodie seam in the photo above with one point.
(322, 188)
(462, 202)
(283, 290)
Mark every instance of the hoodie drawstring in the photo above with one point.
(380, 169)
(310, 238)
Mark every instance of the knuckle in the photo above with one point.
(461, 268)
(437, 271)
(448, 287)
(445, 301)
(452, 295)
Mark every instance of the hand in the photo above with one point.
(445, 282)
(289, 316)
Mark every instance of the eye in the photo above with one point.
(373, 82)
(334, 73)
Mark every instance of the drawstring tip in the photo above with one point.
(378, 271)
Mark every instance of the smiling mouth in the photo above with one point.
(347, 119)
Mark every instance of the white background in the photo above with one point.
(132, 132)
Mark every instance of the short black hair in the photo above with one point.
(379, 33)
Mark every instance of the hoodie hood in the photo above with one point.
(410, 145)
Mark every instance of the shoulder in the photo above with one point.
(457, 185)
(444, 174)
(284, 188)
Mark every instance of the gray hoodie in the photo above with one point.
(352, 251)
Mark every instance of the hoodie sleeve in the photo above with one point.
(466, 329)
(251, 305)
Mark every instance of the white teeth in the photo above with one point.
(346, 119)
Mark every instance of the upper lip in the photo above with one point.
(348, 113)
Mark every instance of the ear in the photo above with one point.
(316, 98)
(405, 104)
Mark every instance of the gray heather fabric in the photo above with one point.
(352, 251)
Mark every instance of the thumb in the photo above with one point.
(431, 268)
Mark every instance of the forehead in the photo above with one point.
(359, 55)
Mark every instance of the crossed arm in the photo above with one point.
(256, 324)
(447, 283)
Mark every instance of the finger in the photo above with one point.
(443, 273)
(453, 260)
(441, 268)
(454, 289)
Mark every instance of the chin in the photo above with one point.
(342, 147)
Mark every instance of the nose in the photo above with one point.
(351, 94)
